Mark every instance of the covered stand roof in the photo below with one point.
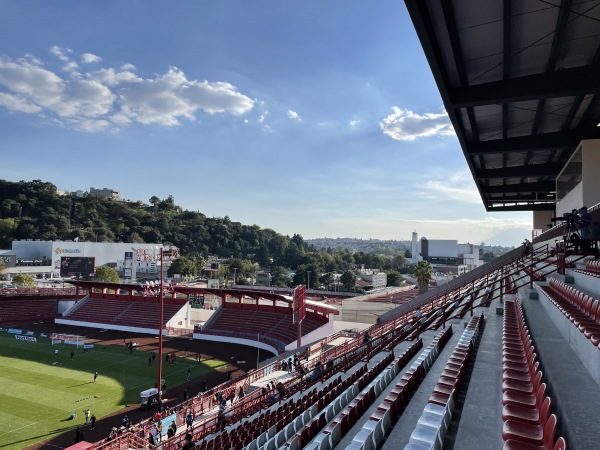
(520, 81)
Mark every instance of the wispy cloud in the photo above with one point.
(405, 125)
(88, 58)
(294, 115)
(458, 187)
(109, 99)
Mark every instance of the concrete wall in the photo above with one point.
(240, 341)
(541, 219)
(104, 326)
(590, 169)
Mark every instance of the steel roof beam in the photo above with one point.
(542, 186)
(547, 141)
(560, 83)
(537, 170)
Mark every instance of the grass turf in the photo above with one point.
(39, 391)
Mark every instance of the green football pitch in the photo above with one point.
(38, 391)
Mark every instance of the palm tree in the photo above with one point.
(423, 273)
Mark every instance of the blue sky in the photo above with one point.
(317, 117)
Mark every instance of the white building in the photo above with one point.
(444, 252)
(121, 255)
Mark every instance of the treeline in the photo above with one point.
(34, 210)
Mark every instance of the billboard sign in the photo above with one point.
(9, 260)
(77, 266)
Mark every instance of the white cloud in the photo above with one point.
(108, 98)
(70, 66)
(61, 53)
(405, 125)
(262, 117)
(456, 187)
(15, 103)
(111, 77)
(293, 115)
(353, 123)
(165, 99)
(88, 58)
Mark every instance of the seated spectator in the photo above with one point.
(316, 373)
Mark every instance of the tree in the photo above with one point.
(183, 266)
(348, 280)
(487, 256)
(327, 280)
(279, 277)
(394, 279)
(22, 280)
(106, 274)
(1, 267)
(407, 254)
(423, 273)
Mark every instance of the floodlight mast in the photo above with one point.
(160, 326)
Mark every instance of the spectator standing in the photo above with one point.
(585, 221)
(189, 419)
(93, 421)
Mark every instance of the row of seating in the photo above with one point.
(431, 427)
(276, 325)
(526, 408)
(593, 266)
(337, 393)
(393, 405)
(349, 407)
(581, 309)
(118, 312)
(341, 420)
(270, 422)
(27, 309)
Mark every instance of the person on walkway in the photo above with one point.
(87, 416)
(93, 421)
(95, 376)
(185, 395)
(149, 360)
(72, 354)
(55, 353)
(204, 386)
(153, 356)
(159, 429)
(228, 375)
(189, 374)
(241, 393)
(197, 358)
(418, 314)
(170, 431)
(77, 434)
(189, 419)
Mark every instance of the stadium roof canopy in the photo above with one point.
(520, 81)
